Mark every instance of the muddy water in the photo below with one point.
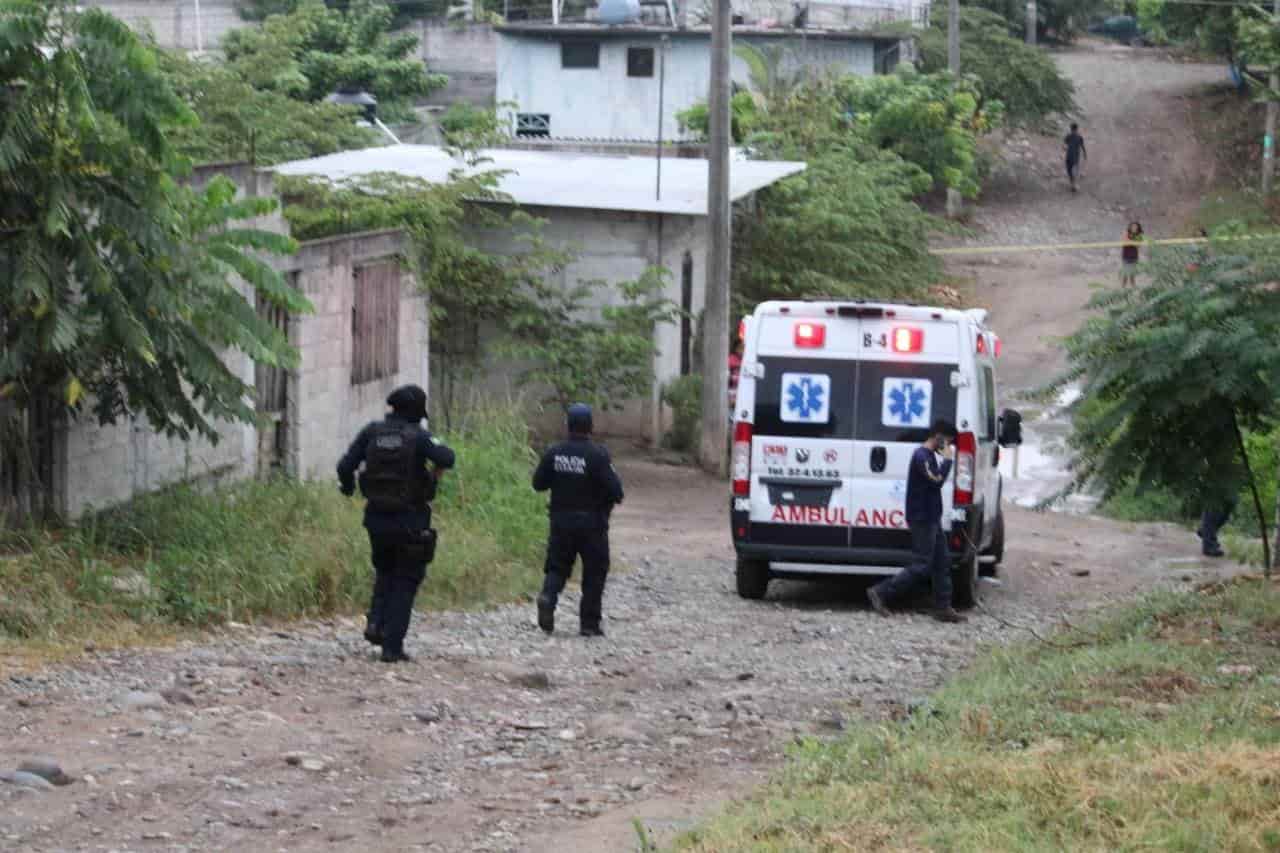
(1039, 469)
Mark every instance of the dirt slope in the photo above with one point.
(498, 738)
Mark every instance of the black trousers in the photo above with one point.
(1212, 521)
(566, 544)
(930, 563)
(398, 572)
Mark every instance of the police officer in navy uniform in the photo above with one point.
(584, 489)
(398, 486)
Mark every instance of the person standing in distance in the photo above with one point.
(398, 486)
(1074, 143)
(931, 561)
(584, 489)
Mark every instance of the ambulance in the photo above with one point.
(833, 399)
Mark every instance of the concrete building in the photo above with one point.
(591, 81)
(611, 212)
(368, 333)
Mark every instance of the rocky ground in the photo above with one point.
(497, 737)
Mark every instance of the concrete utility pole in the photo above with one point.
(1032, 19)
(954, 202)
(714, 447)
(1269, 139)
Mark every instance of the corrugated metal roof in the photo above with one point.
(561, 178)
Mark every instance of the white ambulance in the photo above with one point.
(833, 398)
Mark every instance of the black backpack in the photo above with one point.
(388, 481)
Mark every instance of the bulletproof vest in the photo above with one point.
(389, 481)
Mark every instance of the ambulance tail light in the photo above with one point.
(966, 453)
(907, 339)
(741, 459)
(999, 347)
(810, 335)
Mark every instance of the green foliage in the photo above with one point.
(272, 550)
(1150, 729)
(604, 361)
(471, 128)
(743, 117)
(927, 120)
(846, 226)
(1024, 79)
(1173, 372)
(405, 10)
(1151, 20)
(117, 283)
(239, 122)
(684, 396)
(1059, 19)
(313, 51)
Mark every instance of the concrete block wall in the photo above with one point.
(467, 53)
(174, 23)
(325, 410)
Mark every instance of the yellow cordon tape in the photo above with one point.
(1058, 247)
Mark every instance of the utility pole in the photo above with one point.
(714, 447)
(953, 64)
(200, 29)
(1032, 20)
(1269, 139)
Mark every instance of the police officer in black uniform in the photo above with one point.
(584, 488)
(398, 486)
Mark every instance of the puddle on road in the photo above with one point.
(1041, 461)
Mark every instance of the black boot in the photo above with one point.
(591, 631)
(373, 635)
(395, 657)
(546, 615)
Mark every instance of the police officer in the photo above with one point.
(398, 486)
(584, 488)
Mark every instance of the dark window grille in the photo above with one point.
(639, 62)
(580, 54)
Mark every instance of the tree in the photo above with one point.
(846, 226)
(313, 51)
(928, 120)
(1060, 19)
(1173, 375)
(1023, 78)
(118, 284)
(405, 10)
(239, 122)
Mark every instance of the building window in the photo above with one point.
(533, 124)
(375, 322)
(639, 62)
(580, 54)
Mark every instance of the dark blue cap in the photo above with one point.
(580, 418)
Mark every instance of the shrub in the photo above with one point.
(684, 396)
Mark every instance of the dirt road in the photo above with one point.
(498, 738)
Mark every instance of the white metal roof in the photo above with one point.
(561, 178)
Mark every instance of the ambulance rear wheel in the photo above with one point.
(752, 577)
(964, 582)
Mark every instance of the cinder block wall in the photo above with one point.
(174, 22)
(325, 410)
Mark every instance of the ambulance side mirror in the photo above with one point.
(1010, 433)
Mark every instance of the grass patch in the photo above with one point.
(265, 551)
(1157, 729)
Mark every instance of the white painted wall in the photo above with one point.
(605, 103)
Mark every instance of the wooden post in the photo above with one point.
(954, 203)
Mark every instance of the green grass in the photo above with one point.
(267, 551)
(1158, 729)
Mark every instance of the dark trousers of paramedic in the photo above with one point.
(930, 563)
(565, 544)
(397, 576)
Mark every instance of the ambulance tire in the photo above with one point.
(752, 577)
(964, 582)
(990, 570)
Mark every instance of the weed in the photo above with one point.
(1159, 734)
(278, 549)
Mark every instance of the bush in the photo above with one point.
(272, 550)
(684, 396)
